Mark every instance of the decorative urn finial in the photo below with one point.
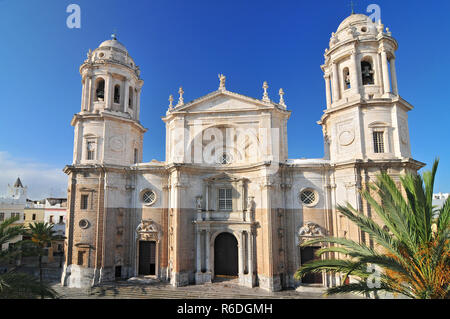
(180, 99)
(170, 102)
(281, 93)
(265, 95)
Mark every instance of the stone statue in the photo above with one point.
(222, 79)
(250, 203)
(199, 202)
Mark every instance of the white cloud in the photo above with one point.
(41, 179)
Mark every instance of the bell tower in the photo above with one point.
(365, 123)
(107, 128)
(365, 117)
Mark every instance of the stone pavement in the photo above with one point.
(227, 289)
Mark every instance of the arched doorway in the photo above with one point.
(225, 255)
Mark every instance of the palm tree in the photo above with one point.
(14, 284)
(411, 250)
(9, 232)
(42, 234)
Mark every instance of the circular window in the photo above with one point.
(83, 223)
(309, 197)
(364, 29)
(148, 197)
(101, 55)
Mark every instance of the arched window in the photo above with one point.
(100, 89)
(117, 93)
(130, 98)
(346, 75)
(367, 72)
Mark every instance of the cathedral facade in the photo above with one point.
(227, 200)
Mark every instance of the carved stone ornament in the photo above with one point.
(346, 137)
(310, 229)
(116, 144)
(148, 230)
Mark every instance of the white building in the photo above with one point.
(55, 211)
(13, 205)
(439, 199)
(227, 200)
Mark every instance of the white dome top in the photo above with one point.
(114, 44)
(354, 19)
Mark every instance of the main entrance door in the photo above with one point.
(147, 257)
(309, 254)
(226, 255)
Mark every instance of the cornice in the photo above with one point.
(106, 115)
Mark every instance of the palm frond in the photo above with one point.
(16, 285)
(412, 250)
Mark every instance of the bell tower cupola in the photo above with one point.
(107, 129)
(365, 118)
(111, 81)
(360, 62)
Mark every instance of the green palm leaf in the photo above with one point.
(412, 249)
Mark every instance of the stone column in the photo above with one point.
(327, 90)
(242, 201)
(126, 95)
(241, 254)
(251, 262)
(335, 83)
(91, 95)
(207, 274)
(108, 91)
(199, 251)
(86, 89)
(394, 77)
(138, 104)
(385, 70)
(354, 73)
(207, 206)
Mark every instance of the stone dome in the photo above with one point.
(113, 43)
(354, 19)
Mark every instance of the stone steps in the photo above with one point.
(136, 292)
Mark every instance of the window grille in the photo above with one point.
(225, 199)
(148, 197)
(308, 197)
(378, 142)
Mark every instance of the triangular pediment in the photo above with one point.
(222, 101)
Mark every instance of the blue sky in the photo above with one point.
(188, 43)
